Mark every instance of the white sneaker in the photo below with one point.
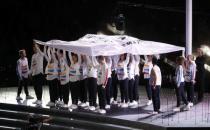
(114, 102)
(50, 104)
(190, 104)
(135, 104)
(130, 104)
(102, 111)
(65, 106)
(60, 103)
(83, 105)
(92, 108)
(79, 103)
(29, 97)
(35, 102)
(149, 102)
(154, 112)
(177, 109)
(39, 102)
(124, 105)
(187, 108)
(111, 99)
(119, 104)
(19, 98)
(73, 106)
(107, 107)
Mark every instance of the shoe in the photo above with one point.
(135, 104)
(18, 98)
(107, 107)
(50, 104)
(98, 107)
(124, 105)
(73, 106)
(187, 108)
(65, 106)
(79, 103)
(190, 104)
(35, 102)
(92, 108)
(39, 102)
(111, 99)
(84, 105)
(114, 102)
(177, 109)
(154, 112)
(149, 102)
(130, 104)
(29, 97)
(59, 103)
(119, 104)
(102, 111)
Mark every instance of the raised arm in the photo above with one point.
(137, 58)
(79, 59)
(53, 54)
(64, 55)
(95, 62)
(88, 60)
(109, 61)
(127, 58)
(70, 57)
(132, 59)
(40, 52)
(48, 55)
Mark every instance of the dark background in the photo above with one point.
(158, 20)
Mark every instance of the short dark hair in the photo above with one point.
(154, 60)
(101, 57)
(61, 51)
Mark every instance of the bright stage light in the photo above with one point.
(206, 49)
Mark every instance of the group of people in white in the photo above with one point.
(89, 77)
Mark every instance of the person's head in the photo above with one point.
(190, 58)
(74, 57)
(180, 60)
(82, 58)
(122, 57)
(60, 54)
(35, 46)
(200, 52)
(154, 60)
(101, 59)
(22, 53)
(149, 58)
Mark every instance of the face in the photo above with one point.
(34, 49)
(149, 57)
(122, 57)
(101, 59)
(199, 52)
(75, 58)
(23, 54)
(60, 55)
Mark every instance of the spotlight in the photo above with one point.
(206, 50)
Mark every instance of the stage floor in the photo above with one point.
(198, 116)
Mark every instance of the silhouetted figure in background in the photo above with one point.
(200, 74)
